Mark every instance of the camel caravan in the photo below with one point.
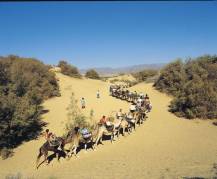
(80, 136)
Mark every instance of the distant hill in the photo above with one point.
(128, 69)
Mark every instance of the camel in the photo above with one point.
(103, 130)
(43, 150)
(73, 138)
(126, 124)
(140, 116)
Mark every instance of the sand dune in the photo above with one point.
(163, 147)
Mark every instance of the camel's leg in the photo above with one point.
(62, 147)
(134, 126)
(75, 151)
(92, 145)
(118, 132)
(129, 129)
(112, 137)
(57, 155)
(38, 158)
(123, 131)
(96, 142)
(45, 157)
(70, 150)
(101, 140)
(85, 147)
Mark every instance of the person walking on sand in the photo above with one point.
(97, 94)
(119, 114)
(82, 103)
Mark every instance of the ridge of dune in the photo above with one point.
(163, 147)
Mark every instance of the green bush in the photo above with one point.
(92, 74)
(24, 84)
(193, 85)
(172, 78)
(69, 70)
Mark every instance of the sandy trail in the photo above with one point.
(163, 147)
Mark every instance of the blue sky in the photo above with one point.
(114, 34)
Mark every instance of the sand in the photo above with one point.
(163, 147)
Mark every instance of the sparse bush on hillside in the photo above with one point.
(24, 84)
(69, 70)
(193, 85)
(128, 82)
(92, 74)
(145, 74)
(76, 118)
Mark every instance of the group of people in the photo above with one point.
(140, 102)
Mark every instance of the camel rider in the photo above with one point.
(53, 140)
(119, 114)
(49, 136)
(141, 95)
(139, 103)
(146, 97)
(132, 108)
(46, 134)
(129, 116)
(149, 106)
(85, 132)
(113, 91)
(103, 120)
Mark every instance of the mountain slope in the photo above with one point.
(127, 69)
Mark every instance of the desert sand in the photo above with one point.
(163, 147)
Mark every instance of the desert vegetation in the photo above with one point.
(68, 69)
(76, 118)
(193, 84)
(24, 84)
(92, 74)
(147, 75)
